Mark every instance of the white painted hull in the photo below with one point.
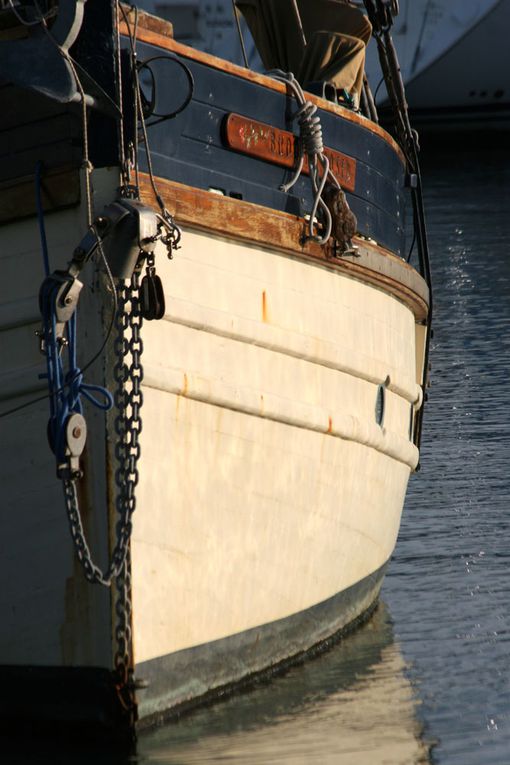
(267, 488)
(259, 397)
(332, 708)
(277, 489)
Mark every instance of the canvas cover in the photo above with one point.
(335, 32)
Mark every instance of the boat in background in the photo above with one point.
(248, 371)
(454, 61)
(452, 54)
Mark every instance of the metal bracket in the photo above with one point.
(381, 13)
(64, 299)
(129, 231)
(76, 437)
(136, 230)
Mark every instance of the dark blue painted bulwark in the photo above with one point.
(190, 149)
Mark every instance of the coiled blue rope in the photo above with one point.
(65, 388)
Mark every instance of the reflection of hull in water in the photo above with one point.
(353, 704)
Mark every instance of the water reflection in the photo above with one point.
(353, 705)
(447, 586)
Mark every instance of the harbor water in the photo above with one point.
(427, 679)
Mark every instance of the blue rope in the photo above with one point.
(65, 388)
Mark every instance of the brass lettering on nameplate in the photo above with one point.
(280, 147)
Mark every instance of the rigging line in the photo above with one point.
(141, 116)
(94, 358)
(87, 166)
(240, 33)
(311, 145)
(115, 308)
(147, 147)
(26, 405)
(122, 148)
(132, 35)
(412, 245)
(166, 216)
(40, 217)
(378, 87)
(417, 51)
(191, 88)
(299, 21)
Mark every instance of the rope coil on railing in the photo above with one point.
(311, 145)
(333, 208)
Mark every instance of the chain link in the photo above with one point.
(128, 374)
(123, 658)
(128, 397)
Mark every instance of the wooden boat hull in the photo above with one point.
(280, 496)
(269, 498)
(281, 389)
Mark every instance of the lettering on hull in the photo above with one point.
(263, 141)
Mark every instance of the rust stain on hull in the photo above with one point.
(247, 222)
(264, 307)
(182, 394)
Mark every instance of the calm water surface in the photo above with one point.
(428, 679)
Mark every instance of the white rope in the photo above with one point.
(312, 146)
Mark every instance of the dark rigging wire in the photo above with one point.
(150, 111)
(94, 358)
(240, 33)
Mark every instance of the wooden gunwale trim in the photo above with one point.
(148, 21)
(257, 225)
(153, 38)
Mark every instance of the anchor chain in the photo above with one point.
(128, 374)
(123, 657)
(128, 396)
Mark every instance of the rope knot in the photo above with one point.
(310, 128)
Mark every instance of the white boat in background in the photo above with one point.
(454, 62)
(442, 47)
